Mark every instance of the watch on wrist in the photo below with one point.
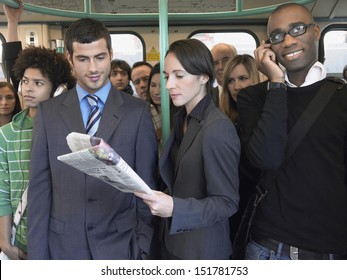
(274, 85)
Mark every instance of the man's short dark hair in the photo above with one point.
(122, 64)
(86, 31)
(141, 63)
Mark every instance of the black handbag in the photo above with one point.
(295, 136)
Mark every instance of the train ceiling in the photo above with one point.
(67, 10)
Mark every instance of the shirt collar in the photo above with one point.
(200, 108)
(102, 93)
(315, 74)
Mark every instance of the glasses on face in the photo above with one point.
(295, 31)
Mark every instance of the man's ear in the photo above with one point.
(69, 58)
(111, 54)
(317, 32)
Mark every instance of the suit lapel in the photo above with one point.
(71, 112)
(168, 173)
(191, 133)
(165, 165)
(188, 138)
(111, 116)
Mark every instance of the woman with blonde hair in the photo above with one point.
(240, 72)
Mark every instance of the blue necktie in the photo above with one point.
(94, 115)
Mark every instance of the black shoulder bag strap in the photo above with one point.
(304, 123)
(311, 113)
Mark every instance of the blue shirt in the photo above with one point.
(102, 94)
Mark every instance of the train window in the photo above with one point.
(129, 47)
(243, 40)
(335, 51)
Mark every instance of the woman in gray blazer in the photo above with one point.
(199, 163)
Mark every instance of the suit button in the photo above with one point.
(90, 200)
(90, 227)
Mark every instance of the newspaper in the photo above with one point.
(96, 158)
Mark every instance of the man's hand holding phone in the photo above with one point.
(267, 63)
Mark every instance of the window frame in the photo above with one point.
(321, 45)
(238, 30)
(115, 56)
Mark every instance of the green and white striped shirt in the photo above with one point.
(15, 144)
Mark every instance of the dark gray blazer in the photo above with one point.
(204, 185)
(75, 216)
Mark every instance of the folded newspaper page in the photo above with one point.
(96, 158)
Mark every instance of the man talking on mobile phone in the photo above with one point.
(304, 212)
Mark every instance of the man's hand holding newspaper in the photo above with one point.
(96, 158)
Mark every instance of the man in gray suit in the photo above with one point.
(72, 215)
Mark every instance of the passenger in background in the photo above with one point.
(154, 98)
(9, 103)
(72, 215)
(221, 54)
(199, 163)
(120, 75)
(239, 73)
(41, 71)
(139, 76)
(304, 212)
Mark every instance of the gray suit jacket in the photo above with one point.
(204, 185)
(75, 216)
